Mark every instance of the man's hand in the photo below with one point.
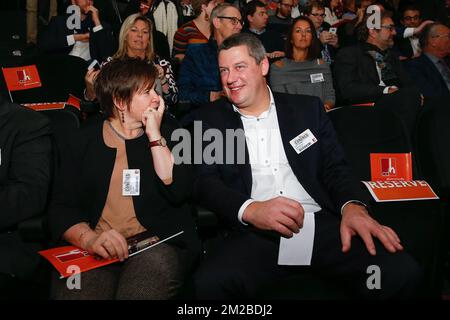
(357, 221)
(333, 40)
(392, 89)
(280, 214)
(95, 15)
(275, 54)
(215, 95)
(89, 80)
(83, 37)
(422, 26)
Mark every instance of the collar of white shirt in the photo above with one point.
(264, 114)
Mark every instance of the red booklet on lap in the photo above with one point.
(69, 260)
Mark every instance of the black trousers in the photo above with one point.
(247, 261)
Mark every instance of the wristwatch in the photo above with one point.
(161, 142)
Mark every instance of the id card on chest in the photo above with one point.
(131, 179)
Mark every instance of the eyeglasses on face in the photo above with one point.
(287, 5)
(410, 18)
(322, 15)
(444, 35)
(389, 27)
(234, 20)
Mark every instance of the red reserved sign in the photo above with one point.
(383, 191)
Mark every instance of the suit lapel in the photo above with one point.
(234, 121)
(291, 126)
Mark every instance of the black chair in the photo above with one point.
(362, 131)
(35, 231)
(60, 76)
(432, 139)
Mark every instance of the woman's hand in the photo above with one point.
(151, 119)
(109, 245)
(89, 79)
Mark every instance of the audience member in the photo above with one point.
(431, 71)
(370, 72)
(25, 176)
(195, 31)
(407, 38)
(256, 19)
(96, 207)
(92, 40)
(199, 80)
(302, 72)
(330, 42)
(333, 11)
(135, 41)
(289, 205)
(282, 19)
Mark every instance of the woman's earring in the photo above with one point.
(122, 116)
(206, 16)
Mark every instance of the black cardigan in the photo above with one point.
(84, 178)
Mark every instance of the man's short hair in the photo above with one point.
(312, 5)
(120, 79)
(254, 46)
(362, 32)
(250, 9)
(218, 11)
(410, 7)
(428, 32)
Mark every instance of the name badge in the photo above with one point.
(131, 179)
(317, 77)
(303, 141)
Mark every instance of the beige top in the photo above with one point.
(118, 212)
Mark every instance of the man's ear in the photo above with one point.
(265, 66)
(216, 23)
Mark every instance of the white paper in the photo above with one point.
(297, 251)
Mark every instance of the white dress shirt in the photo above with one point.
(272, 175)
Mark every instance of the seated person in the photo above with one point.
(25, 174)
(302, 195)
(431, 71)
(256, 17)
(281, 21)
(333, 11)
(407, 37)
(330, 42)
(370, 72)
(195, 31)
(163, 14)
(198, 80)
(93, 40)
(92, 208)
(302, 72)
(135, 41)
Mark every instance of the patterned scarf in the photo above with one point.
(382, 59)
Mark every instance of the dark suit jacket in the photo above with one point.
(83, 183)
(321, 169)
(404, 48)
(54, 39)
(427, 77)
(25, 169)
(356, 78)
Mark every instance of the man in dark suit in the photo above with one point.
(25, 160)
(92, 40)
(407, 37)
(431, 71)
(369, 72)
(286, 178)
